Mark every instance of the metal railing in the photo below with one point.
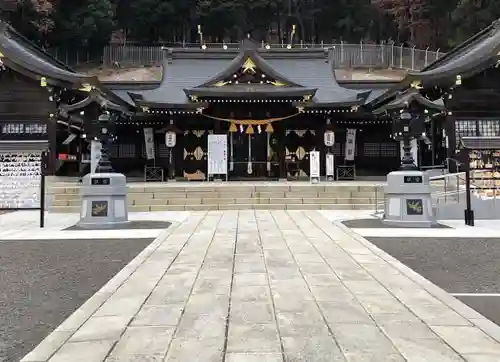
(362, 55)
(446, 189)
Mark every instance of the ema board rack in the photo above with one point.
(485, 172)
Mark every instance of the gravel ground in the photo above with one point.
(43, 282)
(458, 265)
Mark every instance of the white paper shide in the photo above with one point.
(217, 154)
(95, 155)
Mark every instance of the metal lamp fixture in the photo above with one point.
(104, 165)
(407, 163)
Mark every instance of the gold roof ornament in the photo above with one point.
(307, 97)
(249, 66)
(300, 109)
(199, 110)
(233, 128)
(277, 83)
(43, 82)
(269, 128)
(416, 84)
(221, 83)
(145, 109)
(86, 87)
(1, 55)
(354, 108)
(458, 80)
(194, 98)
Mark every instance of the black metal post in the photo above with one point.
(42, 201)
(468, 212)
(43, 168)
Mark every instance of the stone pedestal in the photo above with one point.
(104, 201)
(408, 200)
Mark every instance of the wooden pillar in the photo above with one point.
(451, 134)
(52, 138)
(280, 137)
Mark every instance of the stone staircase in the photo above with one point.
(232, 196)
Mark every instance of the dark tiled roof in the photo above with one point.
(473, 56)
(25, 57)
(188, 69)
(405, 98)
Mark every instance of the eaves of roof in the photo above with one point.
(405, 98)
(25, 57)
(473, 56)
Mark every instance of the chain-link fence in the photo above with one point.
(345, 55)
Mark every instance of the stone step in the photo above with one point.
(232, 201)
(205, 207)
(224, 188)
(195, 196)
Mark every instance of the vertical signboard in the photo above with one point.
(314, 166)
(149, 142)
(350, 144)
(217, 154)
(330, 167)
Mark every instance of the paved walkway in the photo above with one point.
(269, 286)
(25, 225)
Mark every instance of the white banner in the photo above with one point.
(149, 141)
(217, 154)
(314, 165)
(330, 166)
(350, 144)
(95, 155)
(414, 150)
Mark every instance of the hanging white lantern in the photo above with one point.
(329, 138)
(170, 139)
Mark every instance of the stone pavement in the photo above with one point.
(268, 286)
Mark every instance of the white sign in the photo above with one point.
(149, 141)
(330, 166)
(329, 138)
(217, 154)
(170, 139)
(314, 165)
(350, 144)
(20, 177)
(95, 155)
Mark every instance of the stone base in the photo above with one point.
(127, 225)
(409, 224)
(103, 201)
(105, 226)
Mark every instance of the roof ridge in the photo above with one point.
(11, 32)
(488, 31)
